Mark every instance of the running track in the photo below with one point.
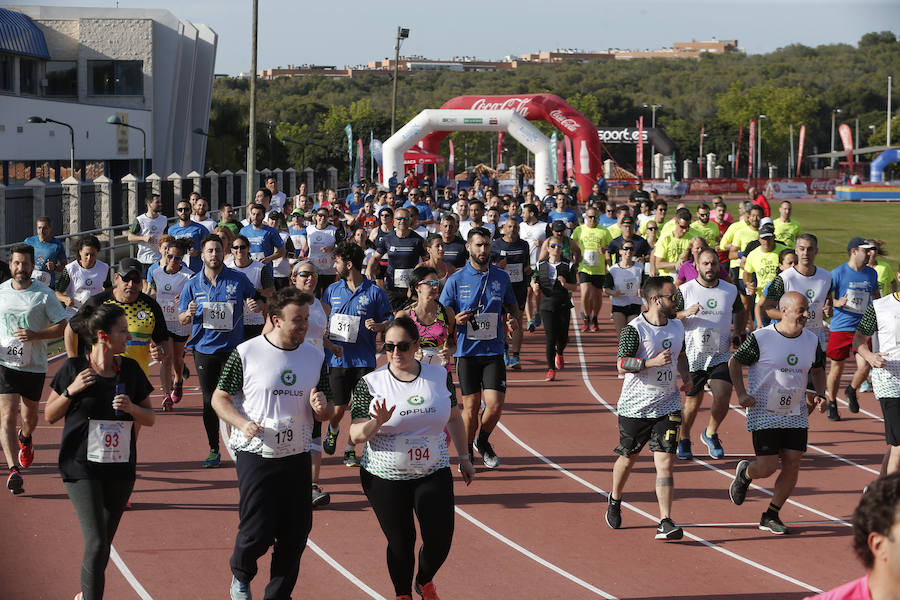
(533, 528)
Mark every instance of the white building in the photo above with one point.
(82, 65)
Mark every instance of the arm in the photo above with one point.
(458, 434)
(362, 428)
(232, 379)
(57, 330)
(370, 268)
(685, 371)
(770, 305)
(867, 327)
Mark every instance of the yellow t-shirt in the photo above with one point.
(728, 238)
(593, 242)
(710, 232)
(886, 274)
(743, 237)
(614, 231)
(786, 233)
(764, 265)
(670, 248)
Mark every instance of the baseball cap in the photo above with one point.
(766, 221)
(558, 226)
(276, 215)
(858, 242)
(127, 265)
(628, 220)
(767, 230)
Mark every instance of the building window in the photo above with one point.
(28, 76)
(62, 78)
(6, 72)
(116, 77)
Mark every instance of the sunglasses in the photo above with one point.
(401, 346)
(628, 248)
(671, 297)
(240, 247)
(130, 278)
(173, 256)
(305, 274)
(401, 218)
(183, 208)
(432, 282)
(323, 215)
(591, 217)
(652, 228)
(554, 245)
(701, 215)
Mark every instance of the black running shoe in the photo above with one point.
(833, 414)
(772, 523)
(488, 456)
(738, 489)
(614, 513)
(668, 530)
(850, 392)
(14, 482)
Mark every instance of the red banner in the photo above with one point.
(570, 160)
(737, 157)
(800, 148)
(560, 163)
(639, 159)
(499, 148)
(751, 148)
(450, 175)
(847, 139)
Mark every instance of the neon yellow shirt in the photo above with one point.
(593, 242)
(670, 248)
(728, 238)
(764, 265)
(710, 232)
(614, 231)
(786, 233)
(886, 274)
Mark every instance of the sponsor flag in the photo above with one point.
(800, 148)
(751, 147)
(570, 160)
(553, 156)
(560, 165)
(499, 147)
(371, 155)
(639, 158)
(737, 156)
(702, 132)
(349, 131)
(847, 139)
(450, 165)
(360, 161)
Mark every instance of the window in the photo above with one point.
(116, 77)
(28, 76)
(6, 72)
(62, 78)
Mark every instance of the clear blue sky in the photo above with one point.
(352, 32)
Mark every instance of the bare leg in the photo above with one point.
(619, 321)
(470, 408)
(493, 408)
(787, 479)
(762, 466)
(834, 378)
(621, 471)
(892, 460)
(664, 483)
(689, 409)
(30, 410)
(9, 414)
(862, 371)
(721, 391)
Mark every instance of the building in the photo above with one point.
(81, 66)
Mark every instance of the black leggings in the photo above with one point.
(556, 326)
(99, 505)
(209, 368)
(431, 498)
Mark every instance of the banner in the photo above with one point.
(450, 174)
(847, 139)
(360, 161)
(371, 156)
(560, 165)
(553, 157)
(639, 149)
(349, 131)
(570, 160)
(786, 189)
(800, 148)
(499, 149)
(737, 156)
(751, 148)
(702, 157)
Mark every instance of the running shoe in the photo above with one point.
(26, 451)
(537, 320)
(668, 530)
(213, 460)
(240, 590)
(851, 399)
(319, 496)
(551, 375)
(506, 358)
(350, 459)
(515, 363)
(585, 326)
(713, 444)
(865, 386)
(177, 391)
(488, 456)
(684, 449)
(78, 596)
(833, 414)
(530, 325)
(329, 444)
(769, 522)
(738, 489)
(560, 361)
(14, 482)
(614, 513)
(427, 591)
(185, 372)
(594, 325)
(167, 403)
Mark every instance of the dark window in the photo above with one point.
(28, 76)
(62, 78)
(6, 72)
(116, 77)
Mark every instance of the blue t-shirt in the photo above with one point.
(232, 287)
(262, 241)
(486, 292)
(52, 250)
(196, 232)
(606, 221)
(401, 252)
(368, 301)
(569, 217)
(424, 210)
(505, 217)
(858, 287)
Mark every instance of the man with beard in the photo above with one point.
(185, 228)
(404, 249)
(705, 306)
(454, 246)
(513, 255)
(650, 402)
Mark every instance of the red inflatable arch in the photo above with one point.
(541, 107)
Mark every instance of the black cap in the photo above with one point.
(858, 242)
(628, 220)
(558, 226)
(767, 230)
(127, 265)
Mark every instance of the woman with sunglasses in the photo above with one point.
(259, 277)
(555, 280)
(623, 285)
(651, 234)
(385, 226)
(435, 322)
(434, 246)
(400, 411)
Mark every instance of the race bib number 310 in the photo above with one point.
(218, 316)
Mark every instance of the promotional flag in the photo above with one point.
(553, 157)
(751, 147)
(737, 156)
(560, 165)
(800, 148)
(847, 139)
(450, 165)
(371, 156)
(349, 131)
(639, 159)
(570, 160)
(360, 161)
(499, 149)
(702, 131)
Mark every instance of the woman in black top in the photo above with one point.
(101, 396)
(555, 280)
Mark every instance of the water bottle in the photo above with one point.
(120, 390)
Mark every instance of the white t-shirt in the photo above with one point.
(531, 234)
(148, 252)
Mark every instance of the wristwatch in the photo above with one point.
(67, 394)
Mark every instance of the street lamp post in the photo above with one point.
(759, 146)
(199, 131)
(288, 140)
(652, 108)
(37, 120)
(115, 120)
(269, 126)
(402, 34)
(834, 111)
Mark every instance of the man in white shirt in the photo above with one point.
(278, 198)
(201, 213)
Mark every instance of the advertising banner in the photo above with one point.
(786, 189)
(639, 159)
(800, 148)
(570, 160)
(450, 165)
(751, 148)
(847, 139)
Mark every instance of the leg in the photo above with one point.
(619, 321)
(209, 368)
(515, 342)
(762, 466)
(294, 521)
(178, 362)
(664, 483)
(561, 335)
(862, 371)
(586, 305)
(689, 409)
(9, 416)
(335, 422)
(787, 479)
(493, 408)
(30, 410)
(549, 338)
(721, 391)
(892, 464)
(258, 486)
(470, 408)
(433, 500)
(834, 378)
(596, 301)
(392, 502)
(621, 471)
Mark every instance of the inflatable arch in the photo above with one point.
(441, 120)
(542, 107)
(876, 169)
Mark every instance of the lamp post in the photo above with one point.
(269, 126)
(115, 120)
(402, 34)
(834, 111)
(652, 108)
(759, 146)
(37, 120)
(288, 140)
(199, 131)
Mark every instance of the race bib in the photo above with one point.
(591, 258)
(343, 328)
(784, 401)
(630, 286)
(257, 255)
(170, 310)
(515, 272)
(81, 296)
(322, 262)
(109, 441)
(15, 352)
(482, 326)
(707, 340)
(280, 437)
(430, 356)
(401, 277)
(42, 276)
(660, 380)
(857, 301)
(416, 455)
(218, 316)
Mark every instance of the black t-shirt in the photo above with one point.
(96, 403)
(515, 253)
(5, 273)
(641, 247)
(455, 252)
(402, 252)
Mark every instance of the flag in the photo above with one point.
(371, 155)
(800, 148)
(570, 160)
(751, 147)
(639, 159)
(737, 156)
(499, 149)
(847, 139)
(553, 157)
(360, 161)
(450, 164)
(560, 165)
(349, 131)
(702, 131)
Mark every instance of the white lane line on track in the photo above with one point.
(129, 576)
(532, 555)
(340, 569)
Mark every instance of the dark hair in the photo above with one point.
(432, 238)
(476, 203)
(88, 240)
(809, 237)
(22, 249)
(406, 324)
(257, 206)
(286, 295)
(654, 286)
(350, 253)
(417, 276)
(703, 205)
(151, 198)
(784, 253)
(183, 244)
(211, 237)
(758, 208)
(271, 178)
(241, 236)
(91, 319)
(707, 249)
(266, 192)
(44, 219)
(683, 214)
(876, 513)
(482, 231)
(659, 203)
(530, 207)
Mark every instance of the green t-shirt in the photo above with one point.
(786, 233)
(593, 242)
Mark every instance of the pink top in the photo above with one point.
(858, 589)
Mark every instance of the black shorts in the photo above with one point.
(699, 378)
(595, 280)
(28, 385)
(521, 292)
(322, 283)
(769, 442)
(478, 373)
(890, 408)
(178, 338)
(343, 380)
(661, 432)
(629, 310)
(252, 331)
(397, 297)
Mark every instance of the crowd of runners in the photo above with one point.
(287, 312)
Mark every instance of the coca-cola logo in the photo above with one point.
(517, 104)
(564, 122)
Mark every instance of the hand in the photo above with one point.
(444, 354)
(463, 317)
(466, 470)
(82, 381)
(535, 286)
(192, 308)
(840, 301)
(751, 289)
(327, 249)
(24, 335)
(746, 400)
(380, 412)
(686, 387)
(319, 403)
(251, 430)
(51, 266)
(660, 360)
(561, 280)
(157, 352)
(123, 403)
(512, 323)
(693, 309)
(335, 349)
(69, 301)
(253, 305)
(877, 360)
(148, 238)
(821, 401)
(827, 311)
(373, 325)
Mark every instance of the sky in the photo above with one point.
(354, 32)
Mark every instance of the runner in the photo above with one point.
(49, 253)
(476, 216)
(705, 306)
(404, 249)
(185, 228)
(454, 246)
(671, 246)
(208, 302)
(145, 231)
(781, 357)
(553, 281)
(201, 213)
(478, 293)
(278, 198)
(534, 232)
(260, 279)
(709, 230)
(359, 309)
(406, 462)
(435, 322)
(434, 246)
(265, 243)
(642, 249)
(786, 229)
(623, 284)
(31, 316)
(592, 240)
(855, 284)
(102, 397)
(649, 406)
(281, 267)
(84, 277)
(272, 390)
(513, 255)
(322, 239)
(761, 267)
